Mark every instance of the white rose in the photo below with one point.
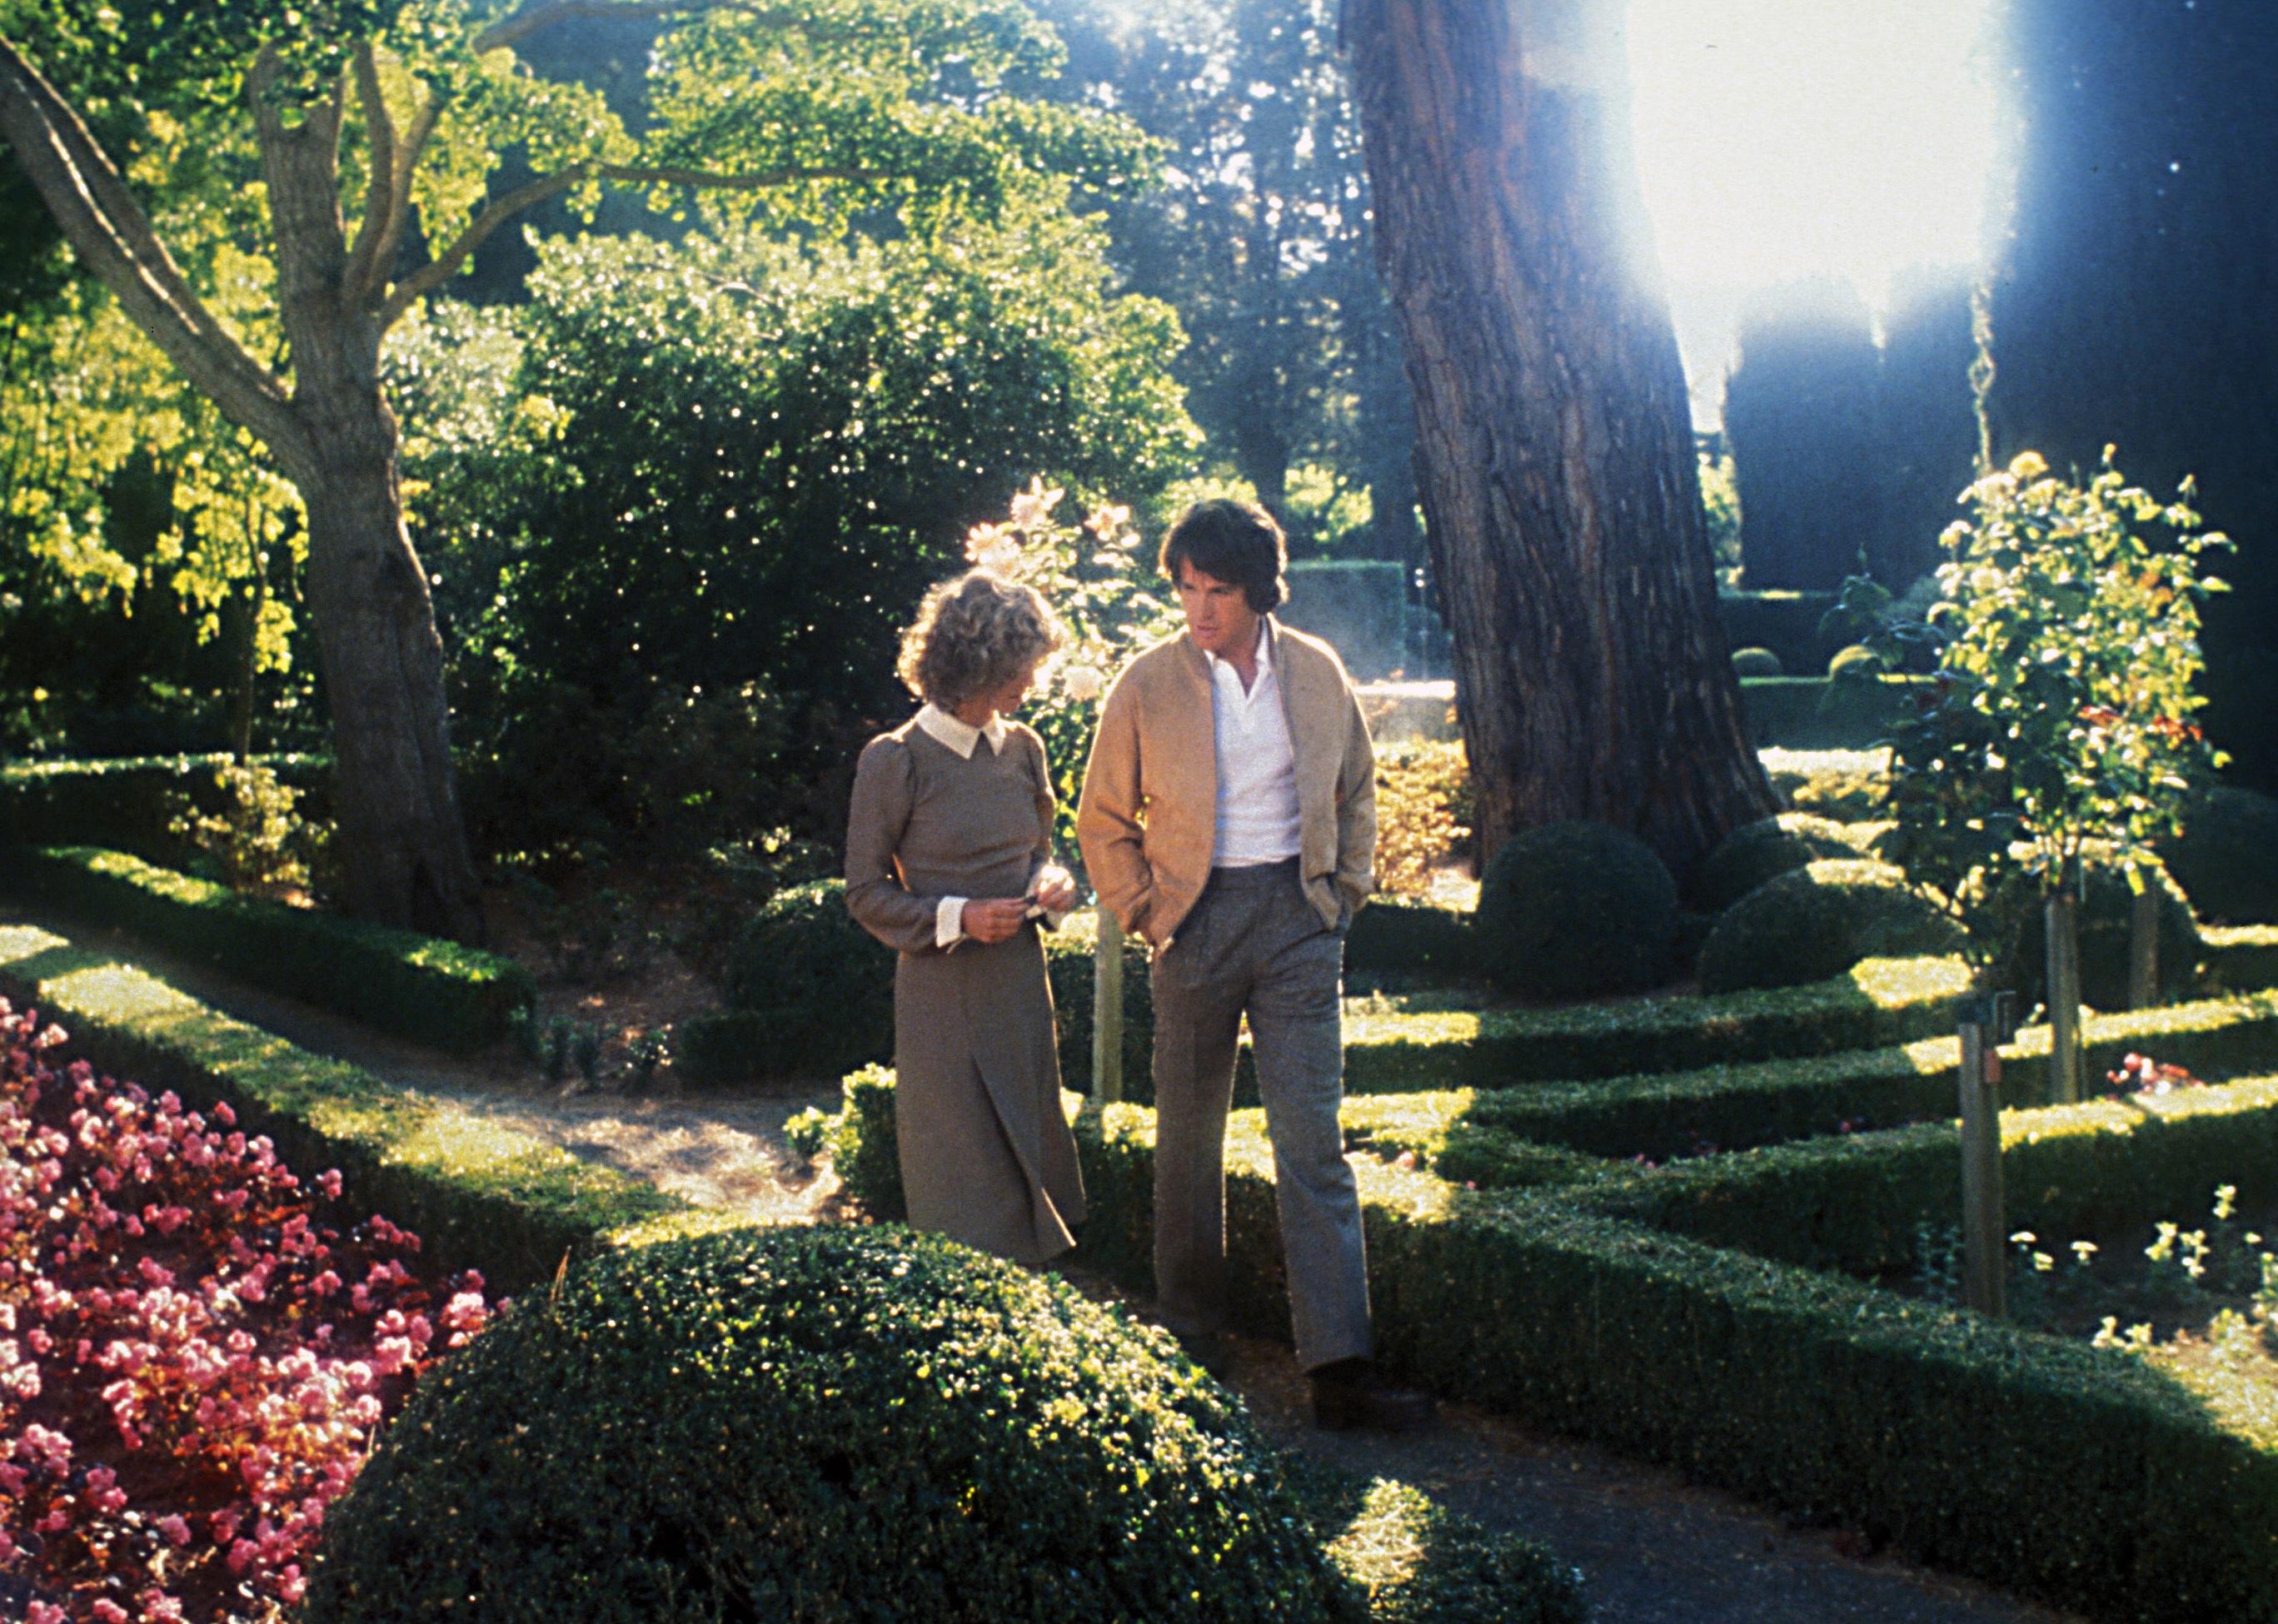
(1083, 682)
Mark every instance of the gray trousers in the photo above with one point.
(1253, 945)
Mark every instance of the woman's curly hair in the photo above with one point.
(975, 634)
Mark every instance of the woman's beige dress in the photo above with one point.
(987, 1157)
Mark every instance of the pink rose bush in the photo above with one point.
(192, 1366)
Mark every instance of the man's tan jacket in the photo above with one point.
(1148, 819)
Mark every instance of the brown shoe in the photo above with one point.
(1353, 1392)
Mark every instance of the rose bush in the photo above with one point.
(192, 1365)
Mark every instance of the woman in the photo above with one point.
(947, 861)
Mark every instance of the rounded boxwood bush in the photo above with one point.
(1858, 657)
(823, 983)
(1755, 662)
(1756, 852)
(817, 1423)
(1819, 921)
(2106, 906)
(1575, 910)
(2226, 857)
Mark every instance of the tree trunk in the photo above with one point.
(1555, 455)
(403, 844)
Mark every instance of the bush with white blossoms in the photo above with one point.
(1101, 584)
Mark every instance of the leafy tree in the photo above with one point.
(1554, 441)
(733, 467)
(392, 115)
(2062, 714)
(1927, 420)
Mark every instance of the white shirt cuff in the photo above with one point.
(949, 922)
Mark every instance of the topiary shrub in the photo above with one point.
(828, 1422)
(1757, 852)
(2106, 906)
(2226, 859)
(1857, 658)
(822, 987)
(1575, 910)
(1756, 662)
(1819, 921)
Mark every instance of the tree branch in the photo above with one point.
(383, 194)
(108, 229)
(439, 269)
(507, 34)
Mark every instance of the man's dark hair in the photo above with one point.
(1235, 542)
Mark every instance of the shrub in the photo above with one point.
(2226, 859)
(258, 841)
(1857, 658)
(819, 1423)
(1575, 910)
(1819, 921)
(194, 1363)
(128, 803)
(1758, 852)
(821, 986)
(1423, 813)
(2104, 916)
(1402, 934)
(1072, 962)
(1756, 662)
(419, 987)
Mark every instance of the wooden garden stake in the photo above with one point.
(2063, 918)
(1987, 1023)
(1107, 1010)
(2143, 950)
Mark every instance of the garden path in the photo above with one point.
(1656, 1549)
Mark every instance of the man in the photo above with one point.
(1228, 815)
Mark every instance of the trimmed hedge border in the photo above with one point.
(429, 991)
(2238, 957)
(1412, 1048)
(1665, 1115)
(121, 802)
(2085, 1476)
(477, 1194)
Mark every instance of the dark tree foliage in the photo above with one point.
(2134, 299)
(1258, 235)
(1927, 426)
(1799, 417)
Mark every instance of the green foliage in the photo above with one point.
(819, 986)
(1788, 623)
(1720, 503)
(2226, 856)
(415, 986)
(1757, 852)
(762, 454)
(889, 1424)
(2067, 640)
(1817, 921)
(258, 841)
(1424, 810)
(1755, 662)
(1847, 786)
(1409, 934)
(1417, 1563)
(2106, 902)
(1575, 910)
(128, 804)
(1856, 660)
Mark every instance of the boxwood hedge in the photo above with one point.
(2082, 1475)
(124, 803)
(416, 987)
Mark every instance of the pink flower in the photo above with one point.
(176, 1530)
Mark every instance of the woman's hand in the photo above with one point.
(1055, 888)
(995, 919)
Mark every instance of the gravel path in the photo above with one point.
(1656, 1549)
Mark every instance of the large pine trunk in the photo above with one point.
(1555, 456)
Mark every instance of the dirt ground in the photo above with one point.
(1655, 1548)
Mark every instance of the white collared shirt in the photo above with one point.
(1258, 818)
